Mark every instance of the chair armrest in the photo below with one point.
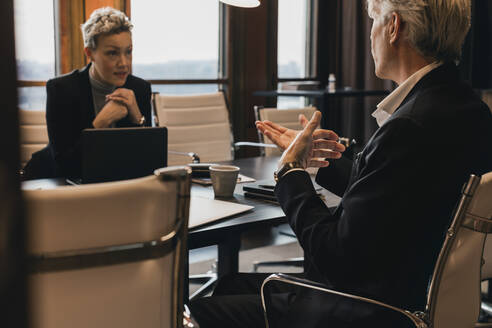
(345, 141)
(253, 144)
(194, 156)
(416, 318)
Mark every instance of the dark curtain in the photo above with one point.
(476, 63)
(345, 49)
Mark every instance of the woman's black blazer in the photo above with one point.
(70, 109)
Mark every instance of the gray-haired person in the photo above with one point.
(383, 239)
(102, 94)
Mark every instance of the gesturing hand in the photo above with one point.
(279, 135)
(311, 147)
(324, 142)
(127, 98)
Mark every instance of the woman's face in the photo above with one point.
(112, 58)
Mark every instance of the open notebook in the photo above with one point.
(206, 210)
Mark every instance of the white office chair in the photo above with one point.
(453, 299)
(33, 133)
(109, 254)
(197, 125)
(199, 130)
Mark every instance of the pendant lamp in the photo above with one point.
(242, 3)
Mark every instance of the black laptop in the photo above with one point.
(122, 153)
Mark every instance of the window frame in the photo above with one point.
(68, 42)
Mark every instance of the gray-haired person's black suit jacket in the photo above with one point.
(384, 238)
(70, 109)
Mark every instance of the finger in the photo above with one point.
(325, 134)
(328, 144)
(312, 124)
(275, 126)
(303, 120)
(318, 162)
(267, 130)
(326, 153)
(272, 137)
(119, 92)
(122, 100)
(276, 139)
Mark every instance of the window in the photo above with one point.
(294, 39)
(177, 40)
(296, 35)
(291, 38)
(35, 50)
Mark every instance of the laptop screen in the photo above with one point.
(122, 153)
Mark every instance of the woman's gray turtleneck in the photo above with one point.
(99, 92)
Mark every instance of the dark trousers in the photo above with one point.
(236, 302)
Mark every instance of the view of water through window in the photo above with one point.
(176, 40)
(35, 49)
(292, 29)
(291, 60)
(167, 44)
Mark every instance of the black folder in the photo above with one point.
(262, 189)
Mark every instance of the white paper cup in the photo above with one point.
(224, 178)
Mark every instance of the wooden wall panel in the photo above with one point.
(73, 13)
(252, 65)
(91, 5)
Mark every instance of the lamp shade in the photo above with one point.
(242, 3)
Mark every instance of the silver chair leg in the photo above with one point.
(208, 280)
(205, 288)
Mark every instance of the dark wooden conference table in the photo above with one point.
(226, 233)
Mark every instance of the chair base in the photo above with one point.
(208, 279)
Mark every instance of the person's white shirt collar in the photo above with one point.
(389, 104)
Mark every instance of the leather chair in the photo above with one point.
(109, 254)
(33, 133)
(453, 298)
(199, 130)
(198, 127)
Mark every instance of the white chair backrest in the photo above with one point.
(33, 133)
(196, 123)
(285, 117)
(109, 254)
(454, 295)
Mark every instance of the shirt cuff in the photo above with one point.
(292, 170)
